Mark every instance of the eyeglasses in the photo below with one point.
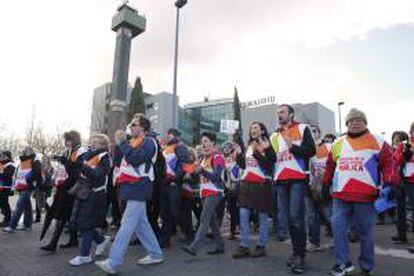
(133, 125)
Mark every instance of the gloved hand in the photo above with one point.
(326, 193)
(389, 189)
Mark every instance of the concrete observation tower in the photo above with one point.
(127, 24)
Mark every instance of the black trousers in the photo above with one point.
(402, 192)
(230, 203)
(113, 203)
(170, 211)
(190, 206)
(5, 206)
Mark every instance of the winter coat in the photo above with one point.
(90, 213)
(63, 202)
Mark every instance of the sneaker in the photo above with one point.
(81, 260)
(104, 265)
(189, 250)
(241, 252)
(102, 246)
(149, 260)
(8, 229)
(298, 265)
(313, 247)
(259, 251)
(23, 228)
(289, 261)
(216, 251)
(341, 270)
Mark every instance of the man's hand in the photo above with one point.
(120, 136)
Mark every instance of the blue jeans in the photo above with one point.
(280, 219)
(245, 227)
(24, 205)
(316, 212)
(291, 198)
(133, 221)
(362, 216)
(87, 238)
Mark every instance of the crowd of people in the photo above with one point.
(152, 186)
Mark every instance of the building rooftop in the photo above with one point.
(209, 103)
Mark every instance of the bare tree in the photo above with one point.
(42, 142)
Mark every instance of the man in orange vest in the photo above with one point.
(357, 164)
(135, 179)
(294, 146)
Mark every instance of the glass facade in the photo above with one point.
(205, 117)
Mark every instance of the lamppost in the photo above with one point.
(339, 115)
(178, 4)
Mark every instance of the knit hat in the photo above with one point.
(354, 114)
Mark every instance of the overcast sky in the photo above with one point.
(54, 53)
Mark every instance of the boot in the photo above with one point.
(241, 252)
(51, 247)
(259, 251)
(73, 240)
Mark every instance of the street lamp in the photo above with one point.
(179, 4)
(339, 114)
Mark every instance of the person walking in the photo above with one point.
(357, 164)
(89, 209)
(28, 175)
(317, 210)
(211, 190)
(403, 158)
(67, 174)
(294, 146)
(255, 192)
(176, 155)
(7, 169)
(135, 178)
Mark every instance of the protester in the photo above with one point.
(211, 191)
(89, 210)
(176, 155)
(43, 190)
(28, 175)
(317, 210)
(190, 201)
(255, 191)
(135, 178)
(404, 161)
(67, 174)
(232, 180)
(7, 169)
(357, 163)
(294, 146)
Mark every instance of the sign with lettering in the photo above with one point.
(258, 102)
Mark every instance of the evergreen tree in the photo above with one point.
(137, 103)
(238, 135)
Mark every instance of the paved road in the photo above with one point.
(20, 256)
